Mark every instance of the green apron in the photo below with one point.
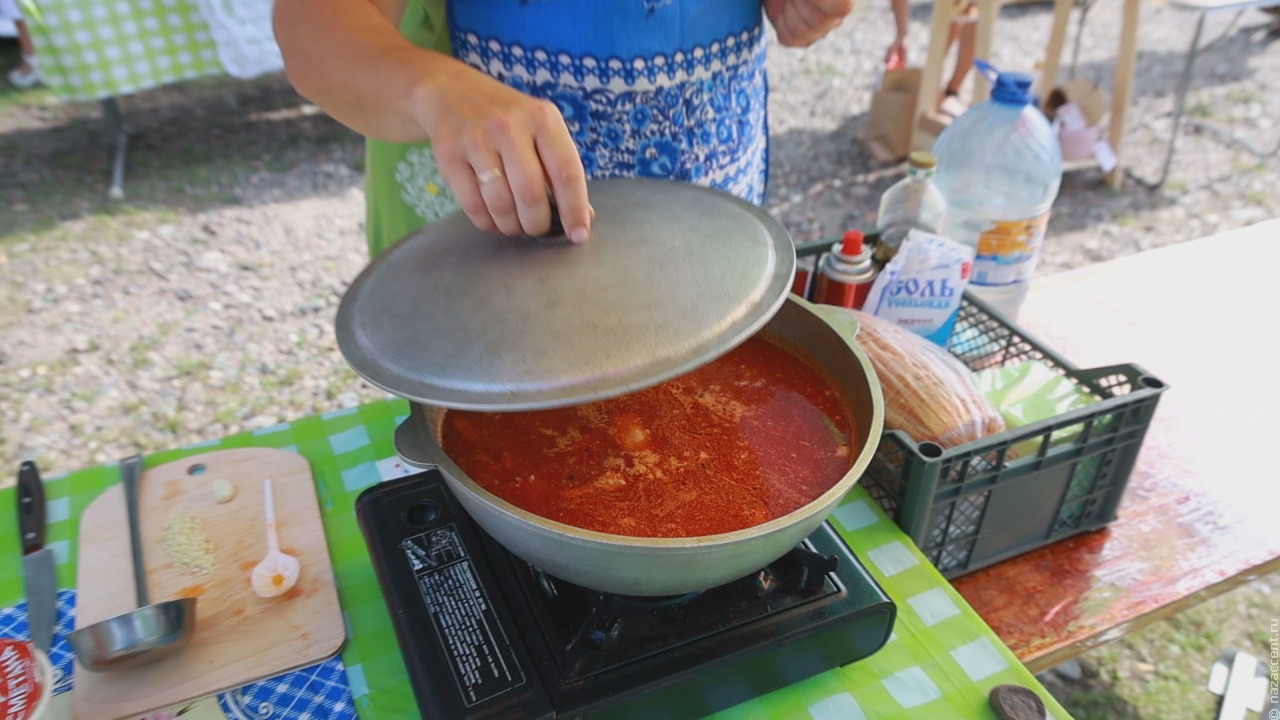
(403, 187)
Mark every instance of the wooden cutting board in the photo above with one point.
(239, 636)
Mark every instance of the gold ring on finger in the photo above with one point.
(489, 176)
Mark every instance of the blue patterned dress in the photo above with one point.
(651, 88)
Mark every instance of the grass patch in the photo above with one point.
(14, 97)
(829, 70)
(286, 378)
(58, 214)
(1251, 167)
(193, 146)
(1201, 110)
(10, 96)
(1241, 96)
(1161, 671)
(139, 350)
(185, 367)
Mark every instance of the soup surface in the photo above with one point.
(745, 439)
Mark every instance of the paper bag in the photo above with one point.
(887, 135)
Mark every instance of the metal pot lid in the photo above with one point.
(674, 276)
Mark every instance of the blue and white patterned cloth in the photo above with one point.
(318, 692)
(669, 89)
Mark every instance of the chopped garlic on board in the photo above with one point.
(188, 544)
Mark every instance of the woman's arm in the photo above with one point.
(348, 58)
(901, 23)
(498, 149)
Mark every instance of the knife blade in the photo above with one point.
(37, 560)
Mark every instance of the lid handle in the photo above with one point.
(555, 235)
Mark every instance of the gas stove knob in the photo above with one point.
(605, 635)
(422, 513)
(765, 581)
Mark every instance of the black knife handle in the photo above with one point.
(31, 511)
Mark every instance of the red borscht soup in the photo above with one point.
(745, 439)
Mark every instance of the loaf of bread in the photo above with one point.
(928, 393)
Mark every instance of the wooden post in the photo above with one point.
(988, 11)
(931, 73)
(1053, 53)
(1122, 92)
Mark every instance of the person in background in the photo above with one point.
(27, 74)
(495, 105)
(963, 28)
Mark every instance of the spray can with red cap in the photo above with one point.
(846, 273)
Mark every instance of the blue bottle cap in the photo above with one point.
(1013, 88)
(1007, 87)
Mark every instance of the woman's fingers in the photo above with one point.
(568, 182)
(517, 195)
(546, 160)
(462, 180)
(495, 188)
(528, 188)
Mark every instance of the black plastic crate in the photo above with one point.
(972, 505)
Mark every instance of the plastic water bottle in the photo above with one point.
(999, 168)
(914, 202)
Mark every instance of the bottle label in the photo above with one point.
(1007, 252)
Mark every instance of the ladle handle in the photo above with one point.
(130, 474)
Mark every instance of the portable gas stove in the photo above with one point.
(486, 635)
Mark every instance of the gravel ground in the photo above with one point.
(203, 304)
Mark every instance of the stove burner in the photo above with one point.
(588, 632)
(813, 566)
(518, 642)
(653, 603)
(547, 585)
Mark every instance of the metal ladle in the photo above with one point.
(150, 632)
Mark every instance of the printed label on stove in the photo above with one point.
(483, 662)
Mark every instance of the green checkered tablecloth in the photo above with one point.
(109, 48)
(941, 661)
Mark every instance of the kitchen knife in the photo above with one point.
(37, 560)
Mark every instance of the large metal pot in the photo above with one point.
(669, 566)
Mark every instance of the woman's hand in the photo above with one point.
(801, 23)
(500, 151)
(896, 56)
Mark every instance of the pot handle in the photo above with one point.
(840, 319)
(408, 447)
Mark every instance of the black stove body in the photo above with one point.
(486, 635)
